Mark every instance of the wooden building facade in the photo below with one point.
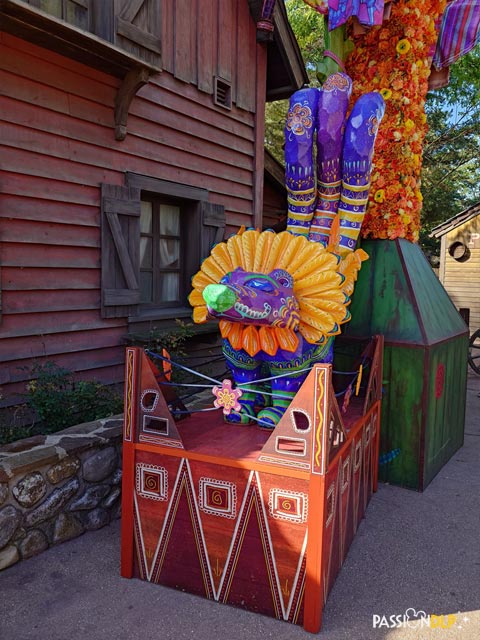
(132, 139)
(459, 270)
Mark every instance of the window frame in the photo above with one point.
(189, 199)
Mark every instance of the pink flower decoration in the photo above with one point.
(227, 397)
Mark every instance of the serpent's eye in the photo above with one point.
(261, 284)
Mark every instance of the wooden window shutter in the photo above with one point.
(213, 226)
(138, 28)
(120, 251)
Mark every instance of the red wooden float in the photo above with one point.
(258, 519)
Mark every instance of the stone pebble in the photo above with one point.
(63, 470)
(10, 521)
(53, 503)
(30, 489)
(100, 465)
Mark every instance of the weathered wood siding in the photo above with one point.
(462, 279)
(57, 146)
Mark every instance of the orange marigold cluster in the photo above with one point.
(395, 60)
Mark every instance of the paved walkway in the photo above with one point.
(413, 550)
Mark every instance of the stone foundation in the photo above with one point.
(56, 487)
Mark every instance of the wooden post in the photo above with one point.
(313, 603)
(259, 135)
(132, 372)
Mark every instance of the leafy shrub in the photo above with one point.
(60, 402)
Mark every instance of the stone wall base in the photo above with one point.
(56, 487)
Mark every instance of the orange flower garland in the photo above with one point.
(394, 59)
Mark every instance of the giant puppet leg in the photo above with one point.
(332, 109)
(299, 168)
(359, 141)
(288, 375)
(245, 370)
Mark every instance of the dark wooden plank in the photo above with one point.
(48, 345)
(31, 255)
(226, 38)
(43, 166)
(33, 324)
(85, 142)
(168, 50)
(31, 279)
(30, 67)
(48, 211)
(42, 54)
(38, 187)
(184, 66)
(46, 301)
(206, 43)
(29, 232)
(246, 68)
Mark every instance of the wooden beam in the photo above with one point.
(45, 30)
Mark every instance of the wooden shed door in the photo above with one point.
(138, 28)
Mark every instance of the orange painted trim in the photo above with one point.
(250, 465)
(313, 601)
(378, 407)
(128, 487)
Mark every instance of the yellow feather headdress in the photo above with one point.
(322, 284)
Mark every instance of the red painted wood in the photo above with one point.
(225, 526)
(53, 346)
(48, 211)
(27, 279)
(28, 48)
(30, 255)
(57, 124)
(31, 324)
(26, 65)
(48, 233)
(128, 472)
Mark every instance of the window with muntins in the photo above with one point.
(162, 278)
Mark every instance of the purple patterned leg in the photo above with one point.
(332, 109)
(360, 134)
(299, 167)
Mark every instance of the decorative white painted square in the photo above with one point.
(149, 400)
(367, 435)
(330, 505)
(288, 505)
(346, 474)
(358, 455)
(151, 481)
(217, 497)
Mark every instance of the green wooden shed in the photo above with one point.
(425, 359)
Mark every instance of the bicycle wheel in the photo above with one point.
(474, 351)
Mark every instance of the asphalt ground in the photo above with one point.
(414, 552)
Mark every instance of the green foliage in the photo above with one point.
(451, 154)
(60, 402)
(309, 29)
(173, 340)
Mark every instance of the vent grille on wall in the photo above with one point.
(223, 93)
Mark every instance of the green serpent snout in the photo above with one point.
(219, 297)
